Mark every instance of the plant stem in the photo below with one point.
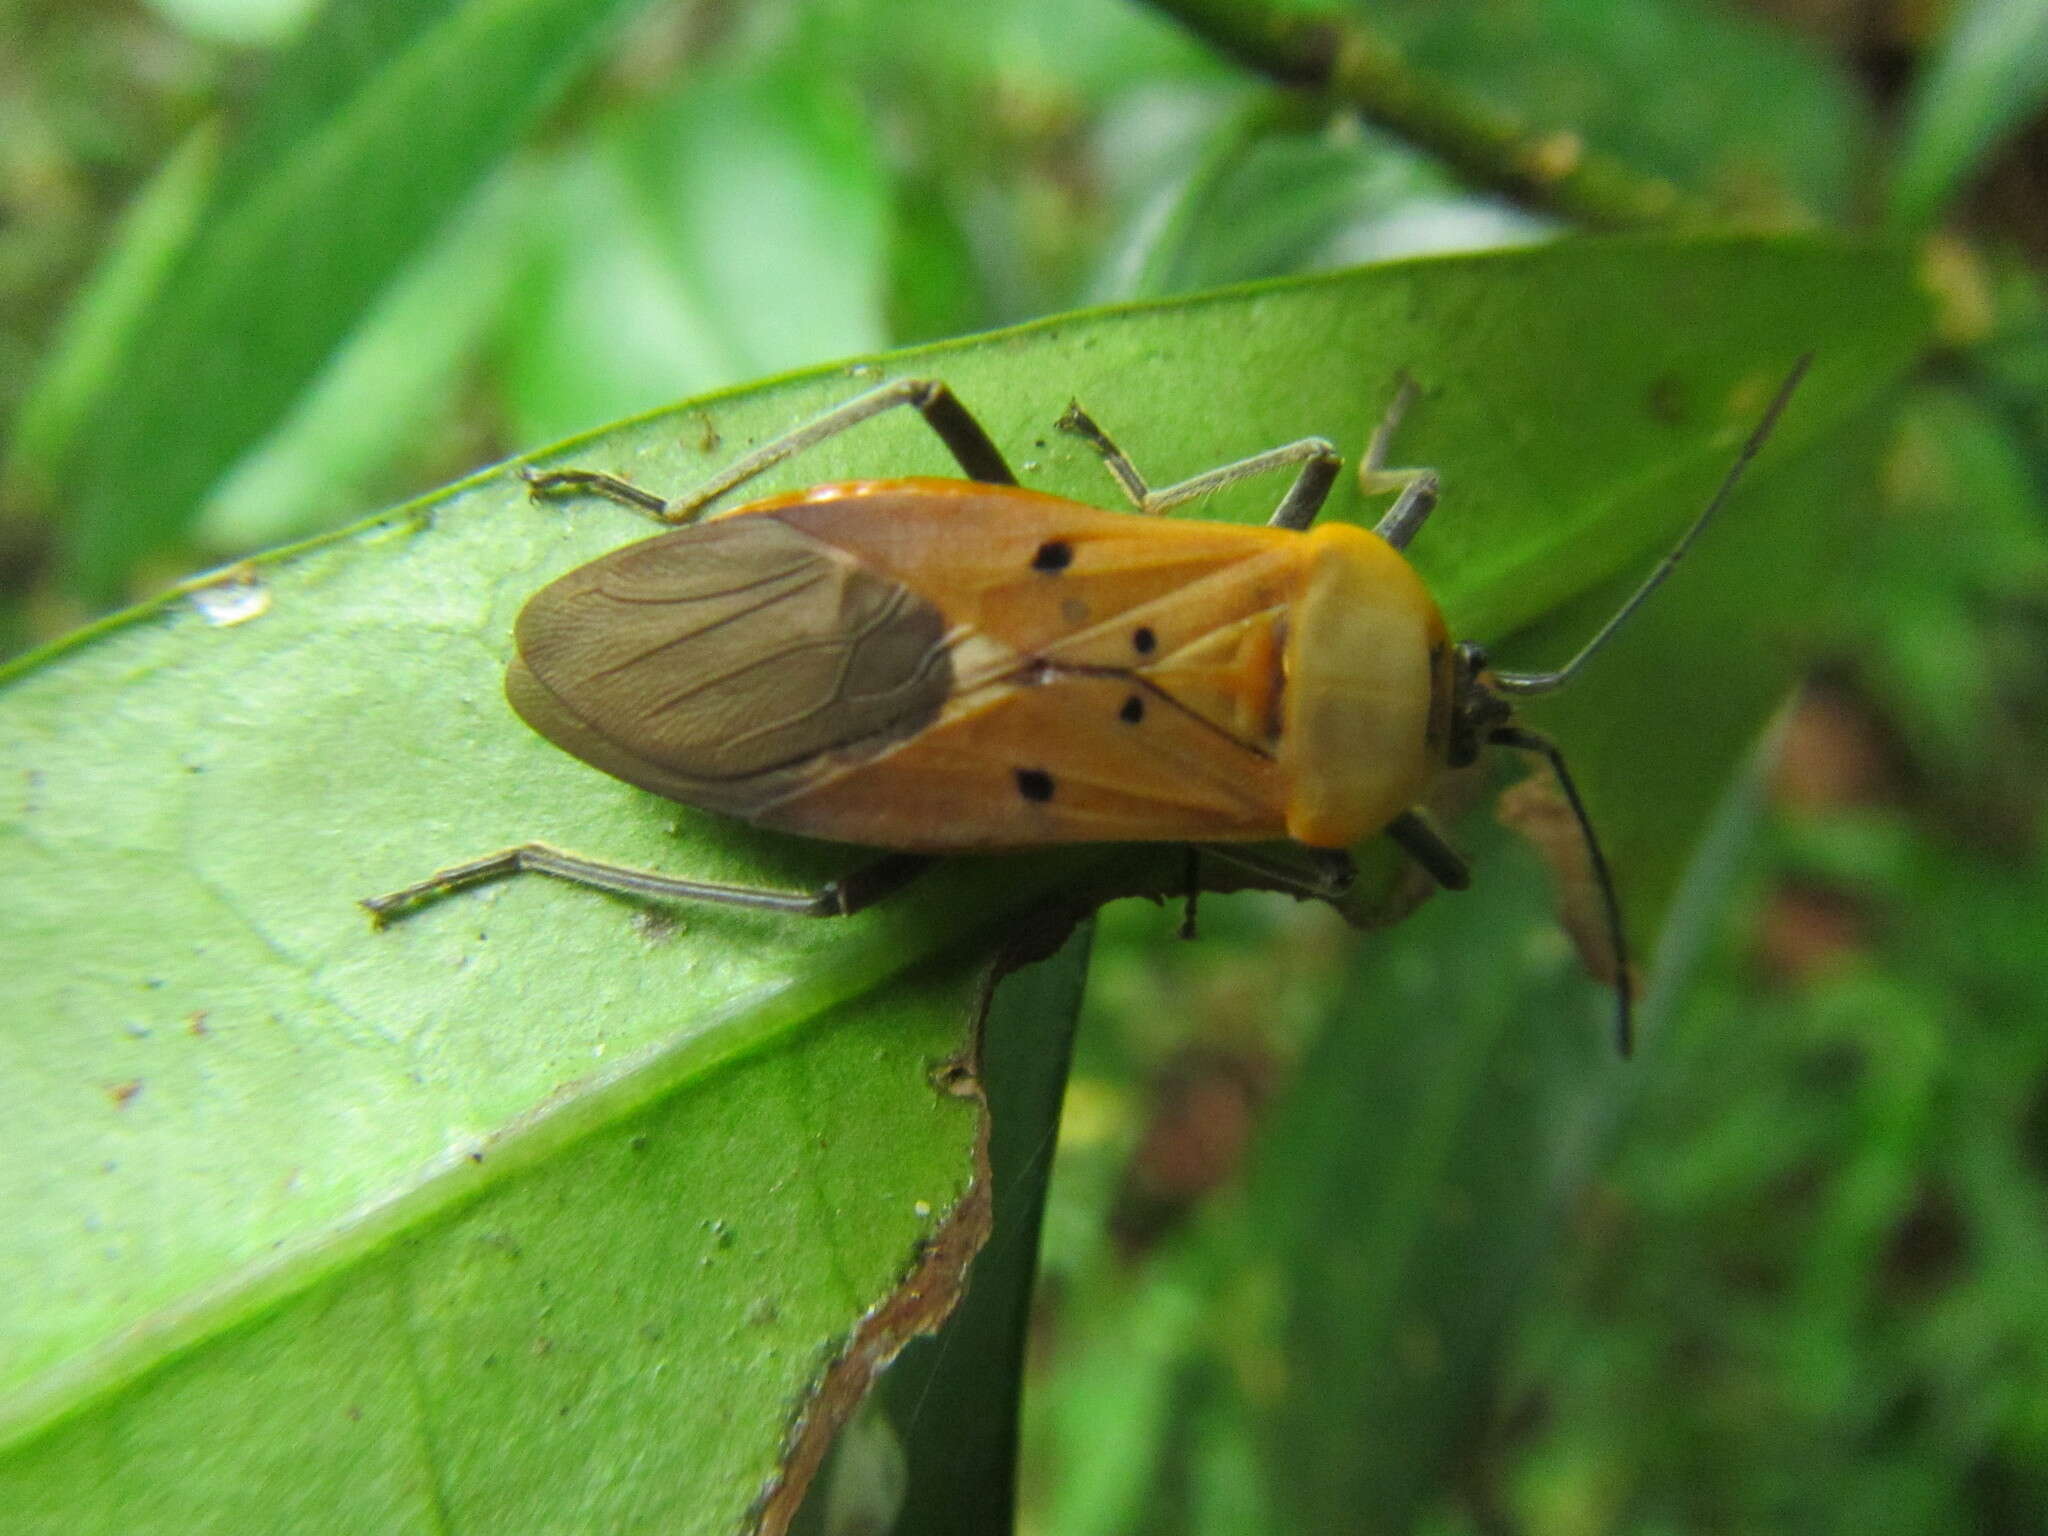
(1550, 170)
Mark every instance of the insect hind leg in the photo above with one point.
(1317, 457)
(841, 898)
(955, 425)
(542, 485)
(1418, 488)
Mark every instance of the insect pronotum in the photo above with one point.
(930, 665)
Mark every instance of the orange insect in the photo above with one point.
(931, 666)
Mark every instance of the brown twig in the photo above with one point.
(1552, 170)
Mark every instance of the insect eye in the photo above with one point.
(1145, 641)
(1053, 555)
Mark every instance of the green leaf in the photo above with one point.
(308, 223)
(932, 289)
(1464, 1085)
(1722, 103)
(1987, 77)
(617, 1329)
(246, 1228)
(385, 390)
(1406, 1190)
(956, 1395)
(1267, 189)
(1480, 1098)
(242, 23)
(1660, 723)
(727, 229)
(106, 319)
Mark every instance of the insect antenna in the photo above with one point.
(1544, 682)
(1610, 905)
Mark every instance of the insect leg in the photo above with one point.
(863, 888)
(1422, 842)
(1317, 457)
(1331, 873)
(955, 425)
(1418, 487)
(591, 482)
(1617, 937)
(976, 453)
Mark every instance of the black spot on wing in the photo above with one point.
(1053, 555)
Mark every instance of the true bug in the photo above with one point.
(931, 666)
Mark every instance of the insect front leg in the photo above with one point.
(1413, 834)
(1333, 871)
(1330, 872)
(1193, 889)
(841, 898)
(964, 437)
(1418, 487)
(1317, 457)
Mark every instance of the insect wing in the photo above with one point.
(723, 664)
(1114, 677)
(1065, 761)
(1039, 574)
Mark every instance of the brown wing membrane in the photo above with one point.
(703, 663)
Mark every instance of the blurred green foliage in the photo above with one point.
(1799, 1281)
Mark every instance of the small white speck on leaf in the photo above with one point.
(235, 596)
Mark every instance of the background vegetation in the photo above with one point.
(282, 263)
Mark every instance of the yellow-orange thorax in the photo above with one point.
(1369, 687)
